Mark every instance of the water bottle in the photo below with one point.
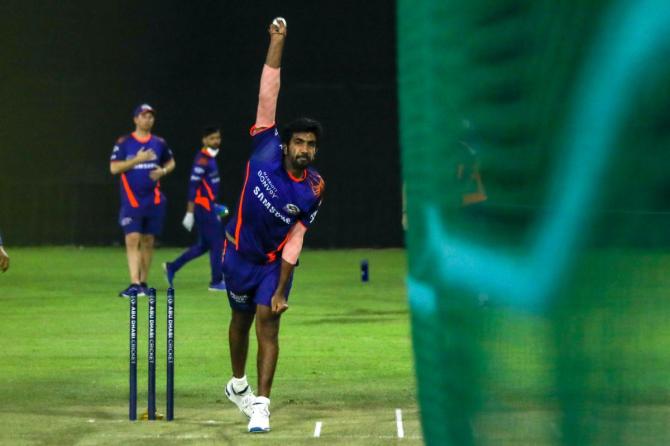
(365, 274)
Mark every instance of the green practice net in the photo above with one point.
(535, 143)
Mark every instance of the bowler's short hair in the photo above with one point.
(301, 125)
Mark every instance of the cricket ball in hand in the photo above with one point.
(276, 21)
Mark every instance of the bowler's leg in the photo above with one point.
(238, 339)
(267, 332)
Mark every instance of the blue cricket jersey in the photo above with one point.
(272, 201)
(203, 187)
(140, 195)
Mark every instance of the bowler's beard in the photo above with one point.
(301, 161)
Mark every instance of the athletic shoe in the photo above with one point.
(169, 273)
(221, 286)
(133, 288)
(243, 399)
(143, 290)
(260, 415)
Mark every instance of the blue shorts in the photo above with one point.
(249, 284)
(144, 224)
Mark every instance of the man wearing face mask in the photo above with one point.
(202, 211)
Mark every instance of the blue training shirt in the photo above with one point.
(272, 201)
(203, 186)
(140, 195)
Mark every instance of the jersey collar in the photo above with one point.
(296, 179)
(210, 152)
(141, 140)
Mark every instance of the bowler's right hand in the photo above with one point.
(278, 31)
(188, 221)
(279, 304)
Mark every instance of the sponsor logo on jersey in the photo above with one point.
(264, 178)
(199, 170)
(292, 209)
(268, 205)
(145, 166)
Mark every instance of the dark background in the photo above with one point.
(71, 74)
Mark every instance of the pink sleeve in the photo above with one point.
(293, 245)
(267, 98)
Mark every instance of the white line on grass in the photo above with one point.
(398, 423)
(317, 429)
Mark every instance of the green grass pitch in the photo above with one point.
(345, 356)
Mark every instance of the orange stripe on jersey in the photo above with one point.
(202, 201)
(129, 191)
(253, 131)
(239, 211)
(272, 255)
(209, 189)
(157, 194)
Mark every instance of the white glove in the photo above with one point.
(188, 220)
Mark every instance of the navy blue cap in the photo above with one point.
(143, 108)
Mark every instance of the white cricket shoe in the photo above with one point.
(260, 415)
(243, 399)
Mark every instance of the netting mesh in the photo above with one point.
(535, 141)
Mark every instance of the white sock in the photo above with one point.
(239, 384)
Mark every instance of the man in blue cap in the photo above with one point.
(141, 159)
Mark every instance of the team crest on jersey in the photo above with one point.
(292, 209)
(203, 161)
